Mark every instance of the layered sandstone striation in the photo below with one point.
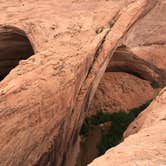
(143, 47)
(144, 62)
(146, 40)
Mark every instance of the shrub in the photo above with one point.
(119, 123)
(155, 84)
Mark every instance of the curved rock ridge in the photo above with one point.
(44, 99)
(144, 62)
(146, 40)
(143, 48)
(144, 140)
(147, 146)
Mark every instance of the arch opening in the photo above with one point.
(125, 90)
(14, 46)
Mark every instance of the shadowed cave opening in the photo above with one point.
(14, 46)
(103, 129)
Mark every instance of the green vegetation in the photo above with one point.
(94, 120)
(155, 85)
(119, 123)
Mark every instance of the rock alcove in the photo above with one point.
(14, 46)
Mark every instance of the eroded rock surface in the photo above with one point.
(44, 99)
(144, 140)
(120, 91)
(146, 40)
(148, 146)
(144, 62)
(144, 46)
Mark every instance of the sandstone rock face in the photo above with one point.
(148, 146)
(44, 99)
(144, 140)
(147, 41)
(144, 47)
(138, 61)
(151, 116)
(120, 91)
(14, 46)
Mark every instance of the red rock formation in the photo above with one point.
(143, 62)
(119, 91)
(147, 147)
(42, 100)
(144, 142)
(14, 47)
(147, 41)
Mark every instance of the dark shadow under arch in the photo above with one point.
(14, 46)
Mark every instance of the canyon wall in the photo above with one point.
(43, 101)
(144, 139)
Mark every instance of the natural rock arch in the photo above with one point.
(124, 60)
(40, 110)
(14, 46)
